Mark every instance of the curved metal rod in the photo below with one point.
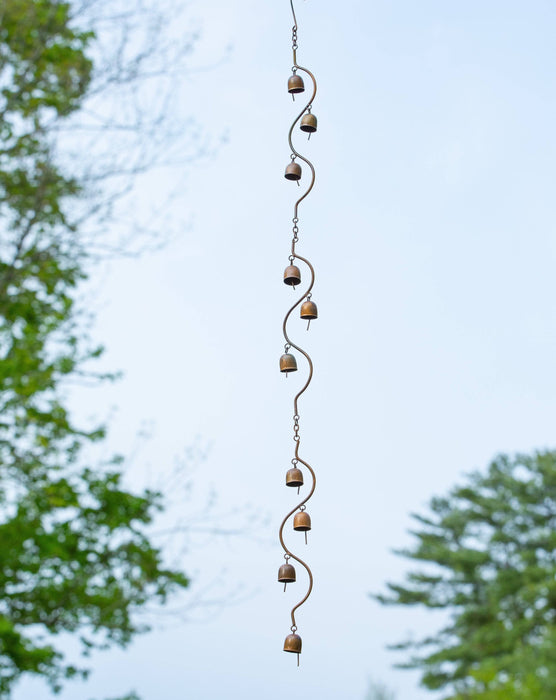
(293, 150)
(281, 535)
(290, 342)
(297, 457)
(294, 17)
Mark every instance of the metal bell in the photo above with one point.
(288, 363)
(292, 275)
(293, 644)
(294, 477)
(286, 574)
(295, 84)
(293, 171)
(309, 311)
(302, 523)
(308, 123)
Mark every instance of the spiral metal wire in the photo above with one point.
(289, 343)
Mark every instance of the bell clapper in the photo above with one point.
(308, 324)
(305, 536)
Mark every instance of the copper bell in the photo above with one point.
(308, 123)
(288, 363)
(309, 311)
(302, 523)
(293, 644)
(295, 84)
(294, 477)
(293, 171)
(286, 574)
(292, 275)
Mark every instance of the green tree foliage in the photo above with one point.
(75, 556)
(488, 555)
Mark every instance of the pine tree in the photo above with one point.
(488, 557)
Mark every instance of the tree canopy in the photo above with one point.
(75, 554)
(488, 558)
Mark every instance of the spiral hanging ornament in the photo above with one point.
(288, 362)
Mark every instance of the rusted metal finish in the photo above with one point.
(309, 310)
(288, 363)
(293, 171)
(308, 123)
(293, 643)
(286, 574)
(302, 521)
(292, 275)
(294, 477)
(295, 84)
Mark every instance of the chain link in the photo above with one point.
(296, 428)
(295, 229)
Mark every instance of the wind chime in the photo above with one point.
(288, 363)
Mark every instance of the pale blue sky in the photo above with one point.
(432, 230)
